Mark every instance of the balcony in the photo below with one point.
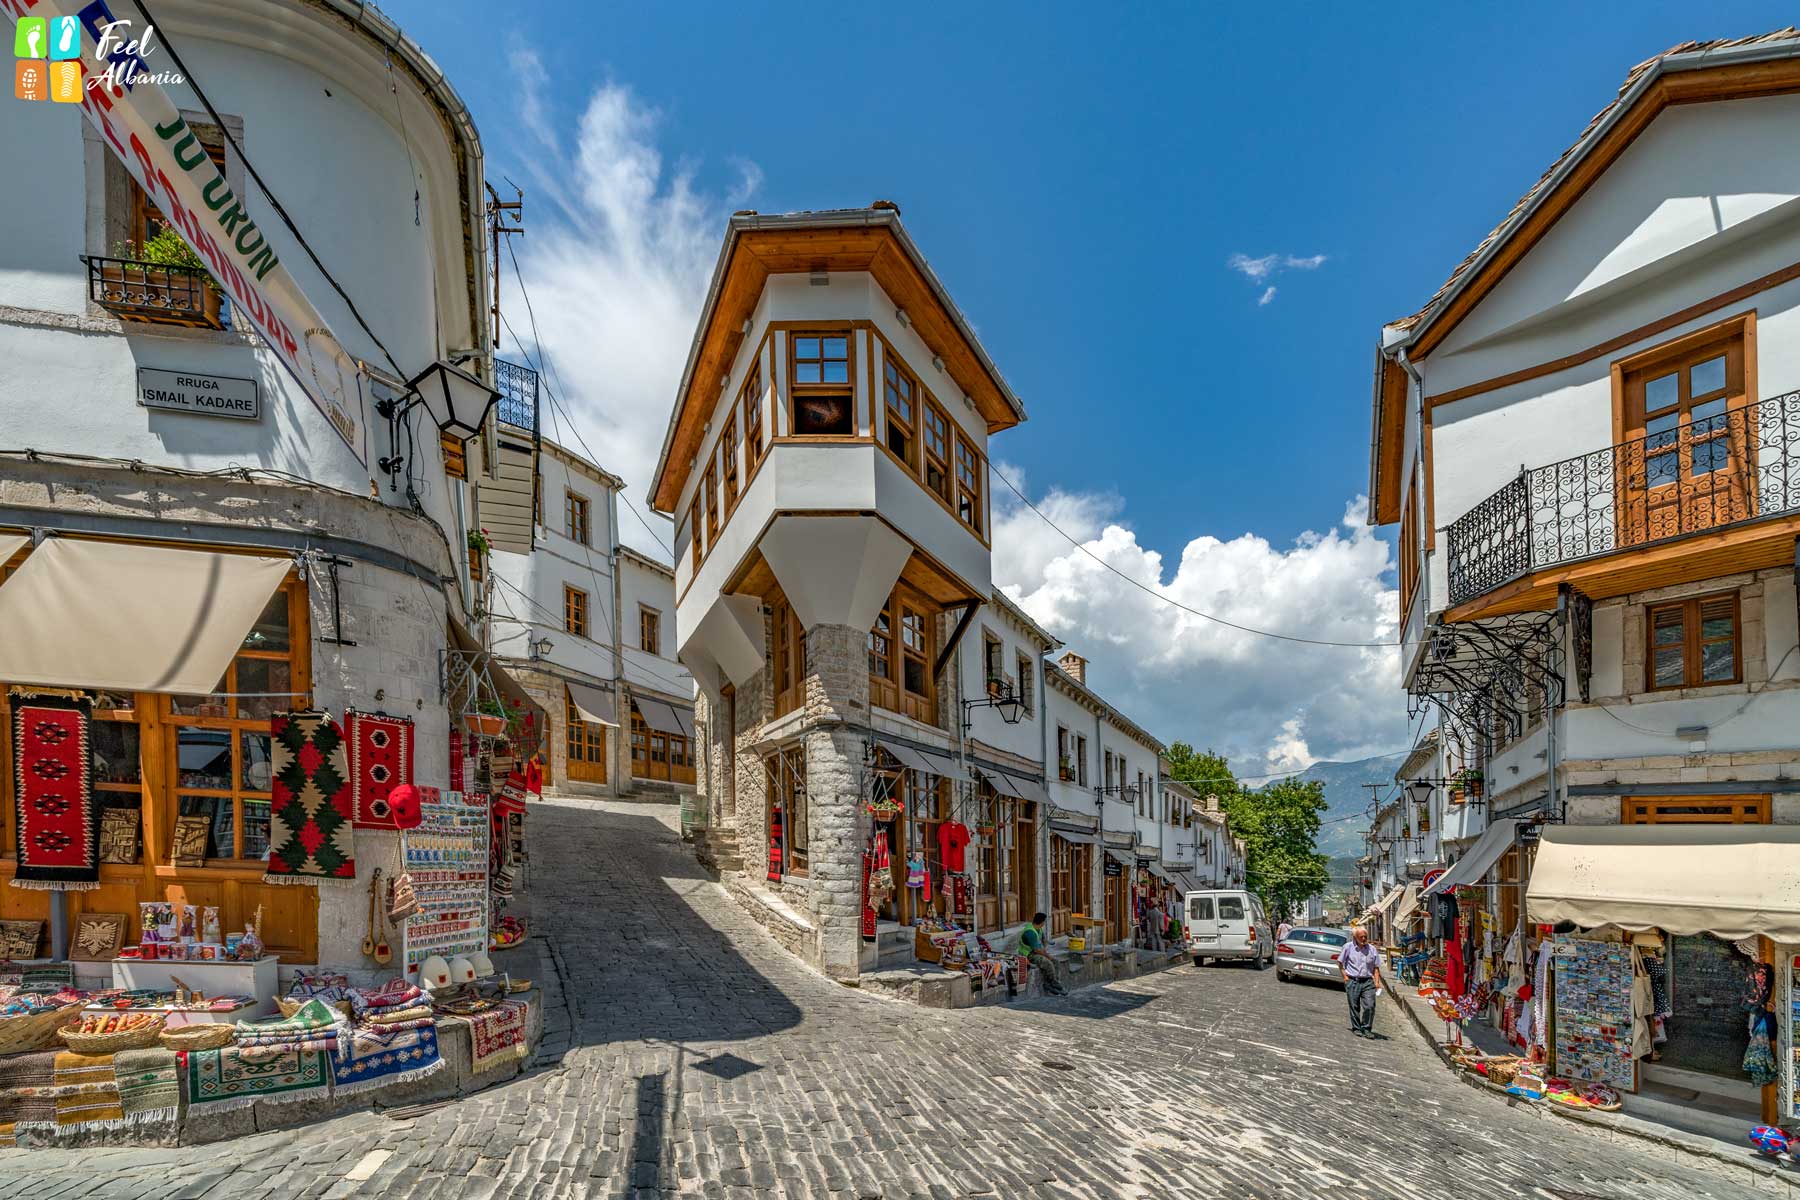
(508, 493)
(1705, 497)
(518, 388)
(156, 292)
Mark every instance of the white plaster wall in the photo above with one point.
(1026, 738)
(1060, 709)
(642, 587)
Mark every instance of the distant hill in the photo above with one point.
(1345, 797)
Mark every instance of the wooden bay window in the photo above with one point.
(819, 374)
(900, 396)
(730, 446)
(901, 645)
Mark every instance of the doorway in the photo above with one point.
(1709, 1031)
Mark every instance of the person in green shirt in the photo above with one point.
(1031, 947)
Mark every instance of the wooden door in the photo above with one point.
(1685, 466)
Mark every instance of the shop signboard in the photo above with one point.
(123, 66)
(199, 393)
(1114, 868)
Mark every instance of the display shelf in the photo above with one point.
(219, 977)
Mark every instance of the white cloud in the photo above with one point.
(1260, 270)
(1268, 705)
(616, 262)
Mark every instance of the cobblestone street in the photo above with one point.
(687, 1055)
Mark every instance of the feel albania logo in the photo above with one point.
(49, 63)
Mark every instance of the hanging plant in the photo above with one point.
(478, 541)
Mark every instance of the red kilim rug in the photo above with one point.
(310, 809)
(381, 759)
(58, 819)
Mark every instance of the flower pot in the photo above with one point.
(485, 724)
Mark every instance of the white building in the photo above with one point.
(180, 519)
(1590, 438)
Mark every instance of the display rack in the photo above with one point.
(446, 855)
(1593, 1011)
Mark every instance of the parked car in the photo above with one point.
(1229, 924)
(1310, 952)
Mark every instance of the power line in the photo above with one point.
(1142, 587)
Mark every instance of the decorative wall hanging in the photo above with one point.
(19, 939)
(119, 840)
(310, 806)
(381, 759)
(57, 823)
(191, 835)
(446, 856)
(98, 936)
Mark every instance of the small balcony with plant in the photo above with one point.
(160, 280)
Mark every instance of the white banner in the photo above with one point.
(123, 69)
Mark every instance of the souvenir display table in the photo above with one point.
(255, 979)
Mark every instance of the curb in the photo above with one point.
(1608, 1122)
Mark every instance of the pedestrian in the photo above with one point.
(1360, 963)
(1283, 929)
(1031, 945)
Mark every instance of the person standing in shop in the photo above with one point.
(1360, 963)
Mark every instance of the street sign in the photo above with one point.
(198, 393)
(1114, 869)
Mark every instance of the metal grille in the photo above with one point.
(518, 387)
(148, 291)
(1707, 473)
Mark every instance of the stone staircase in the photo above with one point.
(717, 850)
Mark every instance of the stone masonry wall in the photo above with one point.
(837, 690)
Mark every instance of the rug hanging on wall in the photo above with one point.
(381, 759)
(310, 807)
(57, 826)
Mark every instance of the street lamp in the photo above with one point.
(457, 401)
(1007, 703)
(541, 649)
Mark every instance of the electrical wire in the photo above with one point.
(1737, 712)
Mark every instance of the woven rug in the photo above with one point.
(57, 831)
(497, 1035)
(310, 808)
(381, 759)
(382, 1056)
(314, 1026)
(149, 1084)
(86, 1089)
(224, 1079)
(26, 1089)
(395, 993)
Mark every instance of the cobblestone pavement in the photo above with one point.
(686, 1054)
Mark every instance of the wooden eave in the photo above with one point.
(758, 253)
(1386, 472)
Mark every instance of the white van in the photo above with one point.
(1229, 925)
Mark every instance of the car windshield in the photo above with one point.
(1231, 908)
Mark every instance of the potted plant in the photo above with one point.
(489, 719)
(1470, 780)
(1065, 769)
(478, 552)
(147, 279)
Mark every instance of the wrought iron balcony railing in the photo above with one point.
(1701, 474)
(146, 291)
(518, 388)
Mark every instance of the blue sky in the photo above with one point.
(1082, 185)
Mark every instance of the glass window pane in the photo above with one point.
(1668, 667)
(837, 372)
(253, 760)
(218, 704)
(806, 372)
(203, 758)
(1662, 468)
(806, 347)
(1660, 431)
(1710, 409)
(114, 745)
(1200, 908)
(1668, 630)
(1716, 628)
(1718, 662)
(217, 811)
(256, 829)
(1707, 377)
(271, 629)
(1662, 392)
(264, 675)
(1231, 908)
(1711, 455)
(836, 347)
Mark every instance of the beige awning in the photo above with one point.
(130, 618)
(662, 717)
(1473, 867)
(1408, 907)
(11, 544)
(594, 705)
(1732, 881)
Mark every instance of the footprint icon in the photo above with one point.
(31, 42)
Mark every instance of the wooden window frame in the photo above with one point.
(1027, 684)
(892, 364)
(575, 611)
(1065, 754)
(696, 543)
(728, 448)
(756, 431)
(1410, 551)
(577, 518)
(711, 484)
(786, 768)
(913, 622)
(583, 744)
(1081, 765)
(1692, 643)
(993, 662)
(1749, 808)
(946, 462)
(649, 630)
(787, 654)
(973, 492)
(798, 390)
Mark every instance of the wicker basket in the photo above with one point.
(199, 1037)
(35, 1031)
(110, 1043)
(1503, 1070)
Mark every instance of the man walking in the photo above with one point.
(1031, 945)
(1360, 963)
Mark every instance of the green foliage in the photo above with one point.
(1207, 773)
(166, 249)
(1279, 826)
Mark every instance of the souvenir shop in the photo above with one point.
(189, 835)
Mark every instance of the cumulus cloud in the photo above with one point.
(616, 261)
(1262, 268)
(1269, 705)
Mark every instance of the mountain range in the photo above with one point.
(1346, 800)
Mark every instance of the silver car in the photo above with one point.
(1310, 952)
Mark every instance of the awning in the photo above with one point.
(594, 705)
(1732, 881)
(1386, 902)
(663, 717)
(1473, 867)
(1156, 869)
(1002, 782)
(1027, 788)
(1074, 839)
(1124, 860)
(66, 623)
(1409, 906)
(916, 759)
(11, 544)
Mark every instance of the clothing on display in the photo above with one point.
(953, 839)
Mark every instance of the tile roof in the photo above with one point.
(1517, 212)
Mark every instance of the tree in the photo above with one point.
(1280, 828)
(1208, 774)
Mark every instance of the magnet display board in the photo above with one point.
(1593, 1011)
(447, 856)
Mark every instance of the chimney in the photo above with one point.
(1075, 665)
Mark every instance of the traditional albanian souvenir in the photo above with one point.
(1769, 1140)
(310, 806)
(57, 830)
(381, 760)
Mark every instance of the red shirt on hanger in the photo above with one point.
(952, 837)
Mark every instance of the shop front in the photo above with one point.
(1072, 849)
(588, 721)
(1678, 944)
(662, 740)
(1116, 870)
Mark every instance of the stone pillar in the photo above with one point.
(837, 693)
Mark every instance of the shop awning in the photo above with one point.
(1408, 907)
(1732, 881)
(1156, 869)
(130, 618)
(594, 705)
(1074, 839)
(916, 759)
(1473, 867)
(1386, 902)
(11, 544)
(1123, 859)
(1006, 785)
(663, 717)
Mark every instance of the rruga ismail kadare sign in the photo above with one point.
(123, 98)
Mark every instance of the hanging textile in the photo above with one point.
(310, 838)
(868, 910)
(456, 760)
(381, 759)
(56, 832)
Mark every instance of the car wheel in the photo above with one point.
(1259, 962)
(1199, 962)
(1283, 977)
